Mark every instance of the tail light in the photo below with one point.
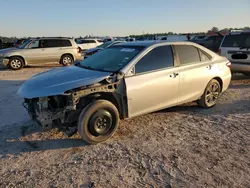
(78, 50)
(228, 64)
(219, 51)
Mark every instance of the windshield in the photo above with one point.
(24, 44)
(104, 45)
(241, 40)
(111, 59)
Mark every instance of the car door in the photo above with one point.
(195, 71)
(153, 83)
(52, 50)
(34, 52)
(92, 43)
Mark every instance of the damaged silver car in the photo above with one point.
(124, 81)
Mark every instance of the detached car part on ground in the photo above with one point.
(124, 81)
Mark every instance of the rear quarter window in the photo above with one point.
(65, 43)
(204, 56)
(187, 54)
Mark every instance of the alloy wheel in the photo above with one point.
(15, 63)
(212, 93)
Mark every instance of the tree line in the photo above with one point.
(152, 35)
(213, 29)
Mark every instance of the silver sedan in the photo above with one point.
(124, 81)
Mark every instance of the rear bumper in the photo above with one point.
(79, 57)
(226, 82)
(240, 67)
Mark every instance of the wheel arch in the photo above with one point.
(69, 55)
(220, 82)
(19, 56)
(111, 97)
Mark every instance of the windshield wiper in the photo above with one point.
(90, 68)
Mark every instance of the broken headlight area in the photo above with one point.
(47, 111)
(64, 110)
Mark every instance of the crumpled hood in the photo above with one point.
(59, 80)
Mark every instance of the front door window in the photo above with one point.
(34, 44)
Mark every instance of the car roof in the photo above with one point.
(57, 38)
(238, 33)
(154, 42)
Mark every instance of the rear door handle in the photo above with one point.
(174, 75)
(209, 67)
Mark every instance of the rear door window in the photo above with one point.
(92, 41)
(51, 43)
(84, 42)
(187, 54)
(158, 58)
(236, 40)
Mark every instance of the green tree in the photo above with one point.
(215, 29)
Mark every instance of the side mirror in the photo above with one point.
(131, 72)
(120, 75)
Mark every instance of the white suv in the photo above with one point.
(41, 51)
(86, 44)
(236, 48)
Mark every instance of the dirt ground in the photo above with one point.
(184, 146)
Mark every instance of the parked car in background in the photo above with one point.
(211, 42)
(85, 44)
(236, 47)
(129, 39)
(19, 42)
(124, 81)
(162, 38)
(108, 39)
(197, 38)
(40, 51)
(92, 51)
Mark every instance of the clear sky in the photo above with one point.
(118, 17)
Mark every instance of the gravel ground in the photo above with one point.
(184, 146)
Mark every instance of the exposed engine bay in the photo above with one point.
(63, 110)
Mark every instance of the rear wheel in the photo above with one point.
(16, 63)
(98, 121)
(210, 95)
(247, 74)
(66, 60)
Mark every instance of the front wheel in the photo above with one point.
(247, 74)
(16, 63)
(98, 121)
(210, 95)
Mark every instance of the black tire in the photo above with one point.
(247, 74)
(16, 63)
(98, 121)
(66, 60)
(210, 95)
